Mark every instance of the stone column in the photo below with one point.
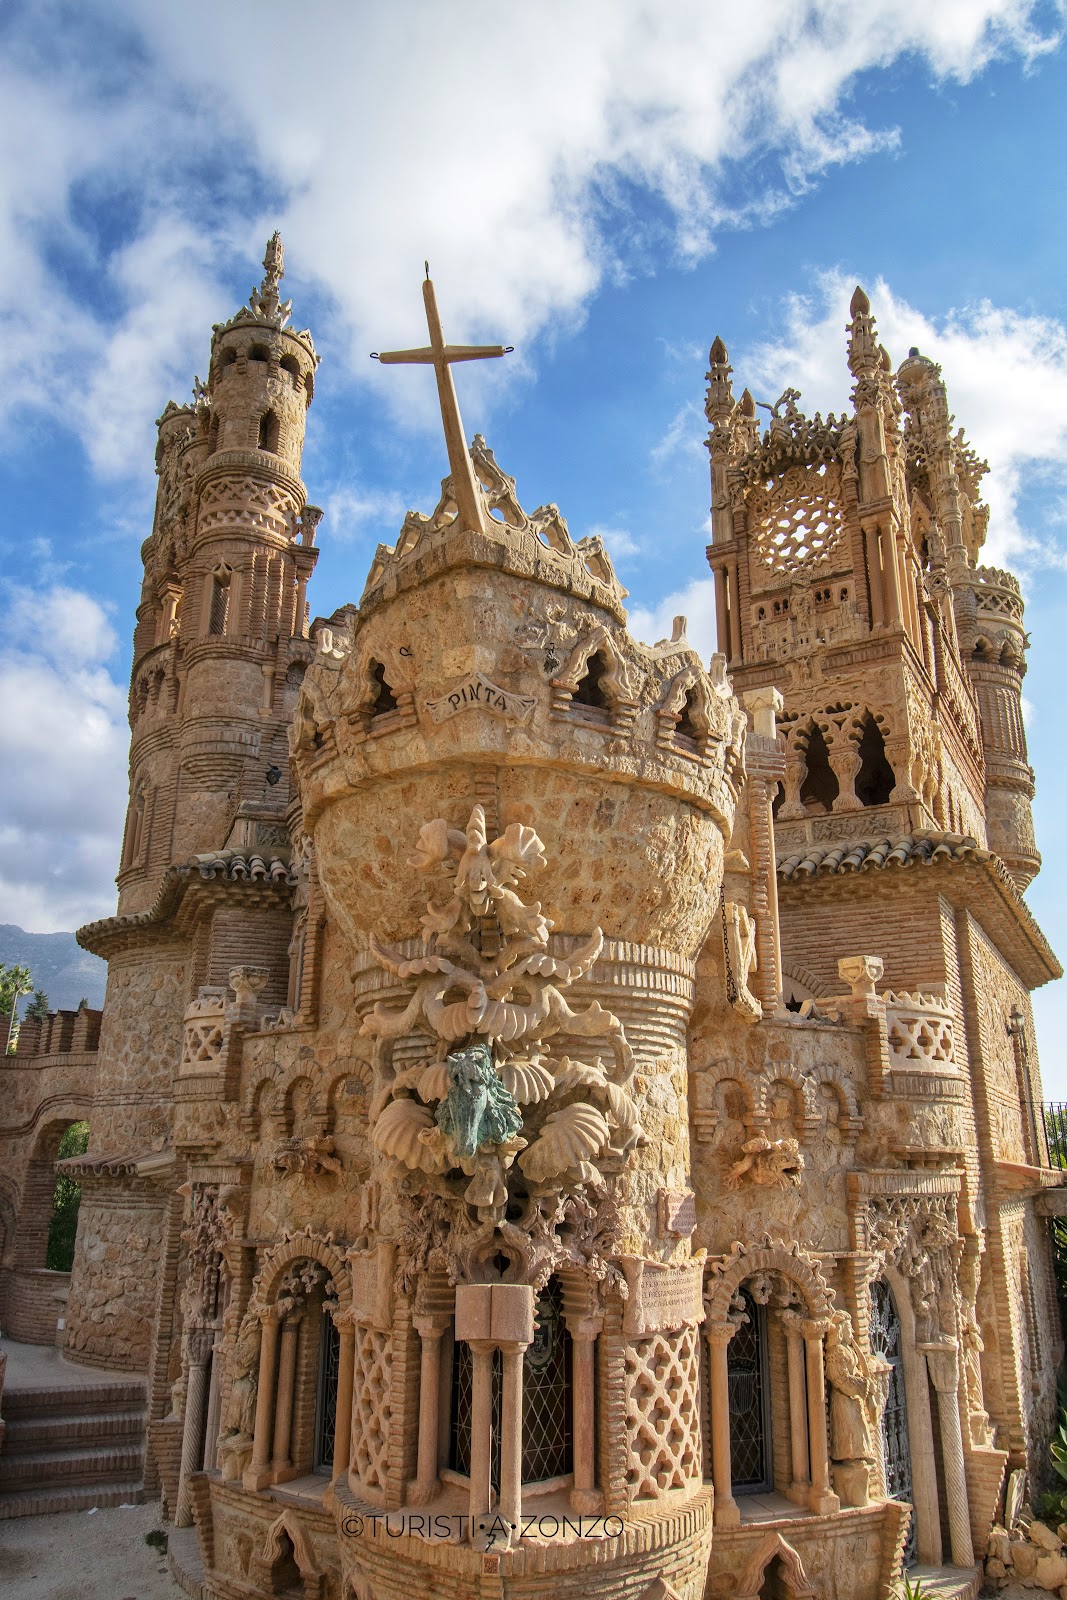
(511, 1434)
(735, 614)
(481, 1428)
(944, 1366)
(800, 1487)
(342, 1432)
(880, 1374)
(257, 1474)
(586, 1498)
(193, 1431)
(283, 1411)
(822, 1497)
(718, 1335)
(894, 614)
(870, 537)
(721, 618)
(430, 1331)
(214, 1406)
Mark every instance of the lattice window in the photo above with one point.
(547, 1430)
(459, 1435)
(886, 1344)
(798, 519)
(374, 1366)
(747, 1369)
(326, 1409)
(662, 1412)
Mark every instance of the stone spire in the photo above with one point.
(720, 395)
(265, 300)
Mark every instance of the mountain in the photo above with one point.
(58, 965)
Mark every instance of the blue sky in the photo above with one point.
(604, 184)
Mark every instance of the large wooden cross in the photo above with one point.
(439, 355)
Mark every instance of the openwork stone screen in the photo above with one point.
(796, 519)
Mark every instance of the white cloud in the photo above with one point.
(684, 436)
(352, 513)
(695, 602)
(64, 736)
(619, 542)
(379, 135)
(1006, 374)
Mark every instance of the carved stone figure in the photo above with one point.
(767, 1163)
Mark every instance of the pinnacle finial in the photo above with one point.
(860, 305)
(718, 354)
(274, 261)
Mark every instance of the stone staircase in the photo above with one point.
(74, 1447)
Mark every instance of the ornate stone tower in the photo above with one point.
(843, 553)
(985, 617)
(220, 650)
(219, 644)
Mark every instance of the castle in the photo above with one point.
(565, 1118)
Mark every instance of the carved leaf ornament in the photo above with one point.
(500, 1009)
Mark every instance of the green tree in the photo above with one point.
(63, 1227)
(15, 981)
(38, 1006)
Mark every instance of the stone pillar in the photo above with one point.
(880, 1373)
(718, 1335)
(430, 1331)
(944, 1366)
(800, 1486)
(193, 1431)
(481, 1429)
(891, 570)
(735, 614)
(214, 1406)
(586, 1498)
(722, 624)
(342, 1433)
(283, 1411)
(511, 1435)
(257, 1474)
(870, 536)
(822, 1497)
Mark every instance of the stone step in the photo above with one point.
(21, 1470)
(77, 1497)
(76, 1399)
(49, 1431)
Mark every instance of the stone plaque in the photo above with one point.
(478, 693)
(662, 1298)
(677, 1212)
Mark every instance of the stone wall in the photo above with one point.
(112, 1306)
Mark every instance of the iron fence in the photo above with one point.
(1055, 1119)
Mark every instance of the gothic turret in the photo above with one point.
(220, 642)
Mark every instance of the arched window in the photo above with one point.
(270, 432)
(887, 1346)
(820, 787)
(750, 1434)
(219, 605)
(547, 1399)
(686, 728)
(135, 827)
(547, 1424)
(290, 365)
(213, 435)
(876, 779)
(384, 700)
(326, 1397)
(228, 358)
(259, 352)
(590, 690)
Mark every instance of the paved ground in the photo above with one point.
(40, 1366)
(84, 1555)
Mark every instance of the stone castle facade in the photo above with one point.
(565, 1117)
